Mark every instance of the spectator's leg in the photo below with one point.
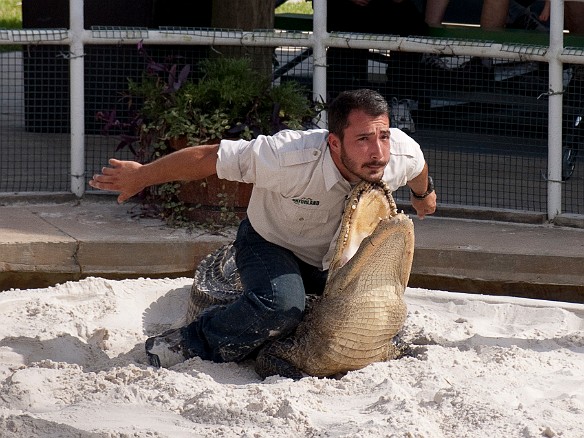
(574, 23)
(434, 12)
(494, 14)
(574, 17)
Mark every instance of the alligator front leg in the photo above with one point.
(269, 361)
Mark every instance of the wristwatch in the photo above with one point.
(429, 190)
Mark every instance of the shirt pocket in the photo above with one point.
(293, 158)
(303, 216)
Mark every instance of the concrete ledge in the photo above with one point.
(45, 244)
(552, 292)
(493, 267)
(143, 258)
(57, 257)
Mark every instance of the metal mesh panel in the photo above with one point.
(573, 141)
(482, 123)
(34, 119)
(294, 63)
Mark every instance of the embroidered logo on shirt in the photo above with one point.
(305, 201)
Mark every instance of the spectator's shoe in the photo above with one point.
(435, 70)
(167, 349)
(401, 116)
(449, 73)
(528, 21)
(475, 74)
(435, 61)
(522, 17)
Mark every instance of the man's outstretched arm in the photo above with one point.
(129, 177)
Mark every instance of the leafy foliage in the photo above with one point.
(219, 98)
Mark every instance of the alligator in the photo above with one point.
(362, 308)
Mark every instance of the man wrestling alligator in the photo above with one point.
(284, 247)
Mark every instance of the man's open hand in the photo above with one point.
(121, 176)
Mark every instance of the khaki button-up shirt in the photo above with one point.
(299, 195)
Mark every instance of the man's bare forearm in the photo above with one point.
(419, 184)
(187, 164)
(129, 177)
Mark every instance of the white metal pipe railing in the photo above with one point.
(283, 38)
(272, 38)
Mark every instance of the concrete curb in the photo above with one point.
(42, 244)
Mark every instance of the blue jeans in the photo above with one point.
(275, 284)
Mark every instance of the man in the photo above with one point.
(283, 248)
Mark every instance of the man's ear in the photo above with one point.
(334, 143)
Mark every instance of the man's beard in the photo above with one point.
(362, 171)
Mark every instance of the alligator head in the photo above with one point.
(368, 204)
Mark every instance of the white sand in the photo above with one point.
(72, 365)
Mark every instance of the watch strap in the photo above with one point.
(429, 189)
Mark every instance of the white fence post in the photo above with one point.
(319, 35)
(554, 174)
(76, 66)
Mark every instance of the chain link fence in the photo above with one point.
(481, 121)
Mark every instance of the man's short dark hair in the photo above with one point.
(366, 100)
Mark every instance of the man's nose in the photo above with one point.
(376, 148)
